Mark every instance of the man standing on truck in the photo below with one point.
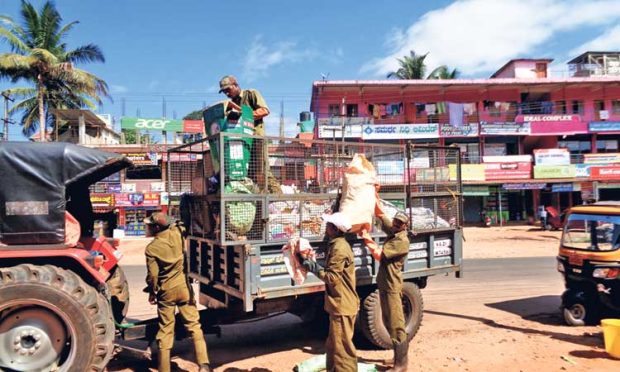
(390, 284)
(252, 97)
(341, 300)
(168, 287)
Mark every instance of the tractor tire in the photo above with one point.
(50, 319)
(371, 318)
(119, 294)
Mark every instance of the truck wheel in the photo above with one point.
(51, 320)
(371, 320)
(119, 294)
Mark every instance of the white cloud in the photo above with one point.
(478, 36)
(609, 40)
(261, 57)
(118, 88)
(272, 126)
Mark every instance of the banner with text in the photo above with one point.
(551, 157)
(505, 129)
(507, 171)
(604, 126)
(554, 171)
(399, 131)
(466, 130)
(168, 125)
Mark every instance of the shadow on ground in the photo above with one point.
(541, 309)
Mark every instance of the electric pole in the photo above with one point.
(7, 98)
(281, 119)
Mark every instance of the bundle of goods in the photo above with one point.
(424, 219)
(240, 214)
(295, 269)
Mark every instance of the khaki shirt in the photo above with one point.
(252, 98)
(339, 277)
(395, 250)
(164, 261)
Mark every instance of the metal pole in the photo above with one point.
(499, 201)
(6, 115)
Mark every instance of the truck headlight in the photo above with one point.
(560, 267)
(606, 273)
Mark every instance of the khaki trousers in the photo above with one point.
(393, 317)
(167, 302)
(341, 353)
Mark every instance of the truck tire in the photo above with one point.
(119, 294)
(371, 318)
(50, 319)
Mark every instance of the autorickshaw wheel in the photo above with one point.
(119, 293)
(370, 318)
(576, 314)
(51, 320)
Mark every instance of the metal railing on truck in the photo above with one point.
(237, 224)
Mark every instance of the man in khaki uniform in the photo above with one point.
(253, 98)
(168, 287)
(341, 300)
(390, 283)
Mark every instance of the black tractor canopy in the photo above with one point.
(35, 180)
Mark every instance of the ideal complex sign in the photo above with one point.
(399, 131)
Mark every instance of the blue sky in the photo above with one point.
(180, 49)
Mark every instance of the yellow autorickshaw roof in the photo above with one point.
(609, 207)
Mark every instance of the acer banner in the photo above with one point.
(167, 125)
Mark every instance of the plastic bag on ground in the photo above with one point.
(318, 363)
(295, 269)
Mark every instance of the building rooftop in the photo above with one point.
(582, 57)
(512, 61)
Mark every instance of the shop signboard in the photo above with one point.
(588, 191)
(335, 131)
(582, 170)
(193, 126)
(138, 199)
(604, 126)
(432, 174)
(505, 129)
(604, 158)
(547, 118)
(608, 185)
(466, 130)
(128, 187)
(179, 157)
(114, 188)
(399, 131)
(469, 172)
(554, 171)
(524, 186)
(162, 125)
(469, 190)
(495, 149)
(507, 159)
(562, 187)
(605, 172)
(102, 200)
(390, 171)
(551, 157)
(142, 158)
(157, 186)
(507, 171)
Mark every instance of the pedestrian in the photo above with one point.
(390, 284)
(341, 300)
(168, 286)
(543, 217)
(253, 98)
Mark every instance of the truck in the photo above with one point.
(62, 292)
(237, 228)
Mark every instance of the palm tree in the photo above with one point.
(411, 67)
(443, 72)
(40, 56)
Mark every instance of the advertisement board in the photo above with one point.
(335, 131)
(193, 126)
(399, 131)
(469, 172)
(469, 190)
(149, 199)
(562, 187)
(142, 158)
(547, 118)
(552, 157)
(167, 125)
(554, 171)
(507, 159)
(582, 170)
(604, 158)
(604, 126)
(524, 186)
(507, 171)
(102, 200)
(605, 172)
(466, 130)
(505, 129)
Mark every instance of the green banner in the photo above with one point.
(476, 190)
(554, 171)
(168, 125)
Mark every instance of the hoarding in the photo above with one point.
(469, 172)
(507, 171)
(149, 199)
(167, 125)
(505, 129)
(507, 159)
(101, 200)
(524, 186)
(476, 190)
(193, 126)
(605, 158)
(142, 158)
(605, 172)
(552, 157)
(399, 131)
(554, 171)
(604, 126)
(466, 130)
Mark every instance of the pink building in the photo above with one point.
(499, 123)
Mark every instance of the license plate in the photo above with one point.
(575, 259)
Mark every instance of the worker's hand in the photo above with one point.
(234, 106)
(152, 299)
(312, 266)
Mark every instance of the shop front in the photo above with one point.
(134, 208)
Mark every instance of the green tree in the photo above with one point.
(41, 57)
(411, 67)
(131, 137)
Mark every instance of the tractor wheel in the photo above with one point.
(51, 320)
(371, 318)
(119, 294)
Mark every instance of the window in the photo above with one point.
(352, 110)
(615, 107)
(592, 232)
(560, 107)
(333, 110)
(599, 105)
(577, 107)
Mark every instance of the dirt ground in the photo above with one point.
(461, 333)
